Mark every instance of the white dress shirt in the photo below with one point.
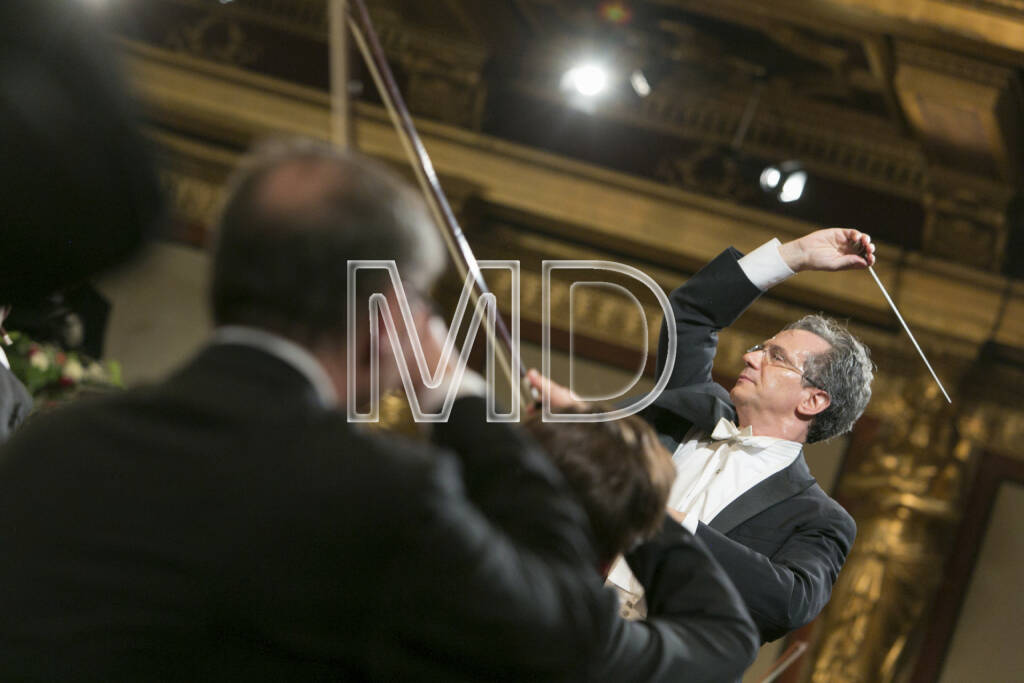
(714, 470)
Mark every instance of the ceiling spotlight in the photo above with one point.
(639, 82)
(770, 178)
(586, 79)
(786, 181)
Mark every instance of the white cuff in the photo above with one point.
(3, 360)
(621, 577)
(690, 523)
(472, 385)
(764, 266)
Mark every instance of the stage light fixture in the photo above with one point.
(770, 178)
(588, 80)
(786, 181)
(640, 84)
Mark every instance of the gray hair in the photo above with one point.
(296, 212)
(845, 371)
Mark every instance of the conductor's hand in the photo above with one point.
(829, 249)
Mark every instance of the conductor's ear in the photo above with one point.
(813, 402)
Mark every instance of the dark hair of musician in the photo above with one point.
(619, 472)
(295, 214)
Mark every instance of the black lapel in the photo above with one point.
(775, 489)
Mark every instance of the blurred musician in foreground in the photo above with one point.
(229, 523)
(78, 190)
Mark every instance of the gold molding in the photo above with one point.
(629, 217)
(1012, 7)
(963, 24)
(881, 160)
(960, 18)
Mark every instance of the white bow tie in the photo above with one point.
(725, 430)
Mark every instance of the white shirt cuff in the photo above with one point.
(3, 360)
(623, 578)
(764, 266)
(472, 385)
(690, 523)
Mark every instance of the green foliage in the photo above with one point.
(53, 375)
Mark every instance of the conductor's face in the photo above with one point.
(771, 386)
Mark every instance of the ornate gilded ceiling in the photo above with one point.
(908, 130)
(908, 124)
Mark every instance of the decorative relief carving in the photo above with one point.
(966, 112)
(305, 13)
(905, 492)
(444, 74)
(709, 170)
(966, 221)
(954, 65)
(597, 313)
(882, 162)
(996, 419)
(442, 93)
(307, 17)
(194, 200)
(1012, 7)
(214, 37)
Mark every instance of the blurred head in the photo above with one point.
(296, 212)
(813, 377)
(78, 188)
(618, 470)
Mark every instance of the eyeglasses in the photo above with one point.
(774, 355)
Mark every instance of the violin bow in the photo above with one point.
(458, 246)
(784, 661)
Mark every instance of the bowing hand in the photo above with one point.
(562, 399)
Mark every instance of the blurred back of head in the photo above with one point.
(78, 191)
(619, 471)
(295, 214)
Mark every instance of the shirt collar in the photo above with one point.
(285, 350)
(725, 430)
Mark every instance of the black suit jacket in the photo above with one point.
(784, 541)
(224, 526)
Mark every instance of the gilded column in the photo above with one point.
(905, 491)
